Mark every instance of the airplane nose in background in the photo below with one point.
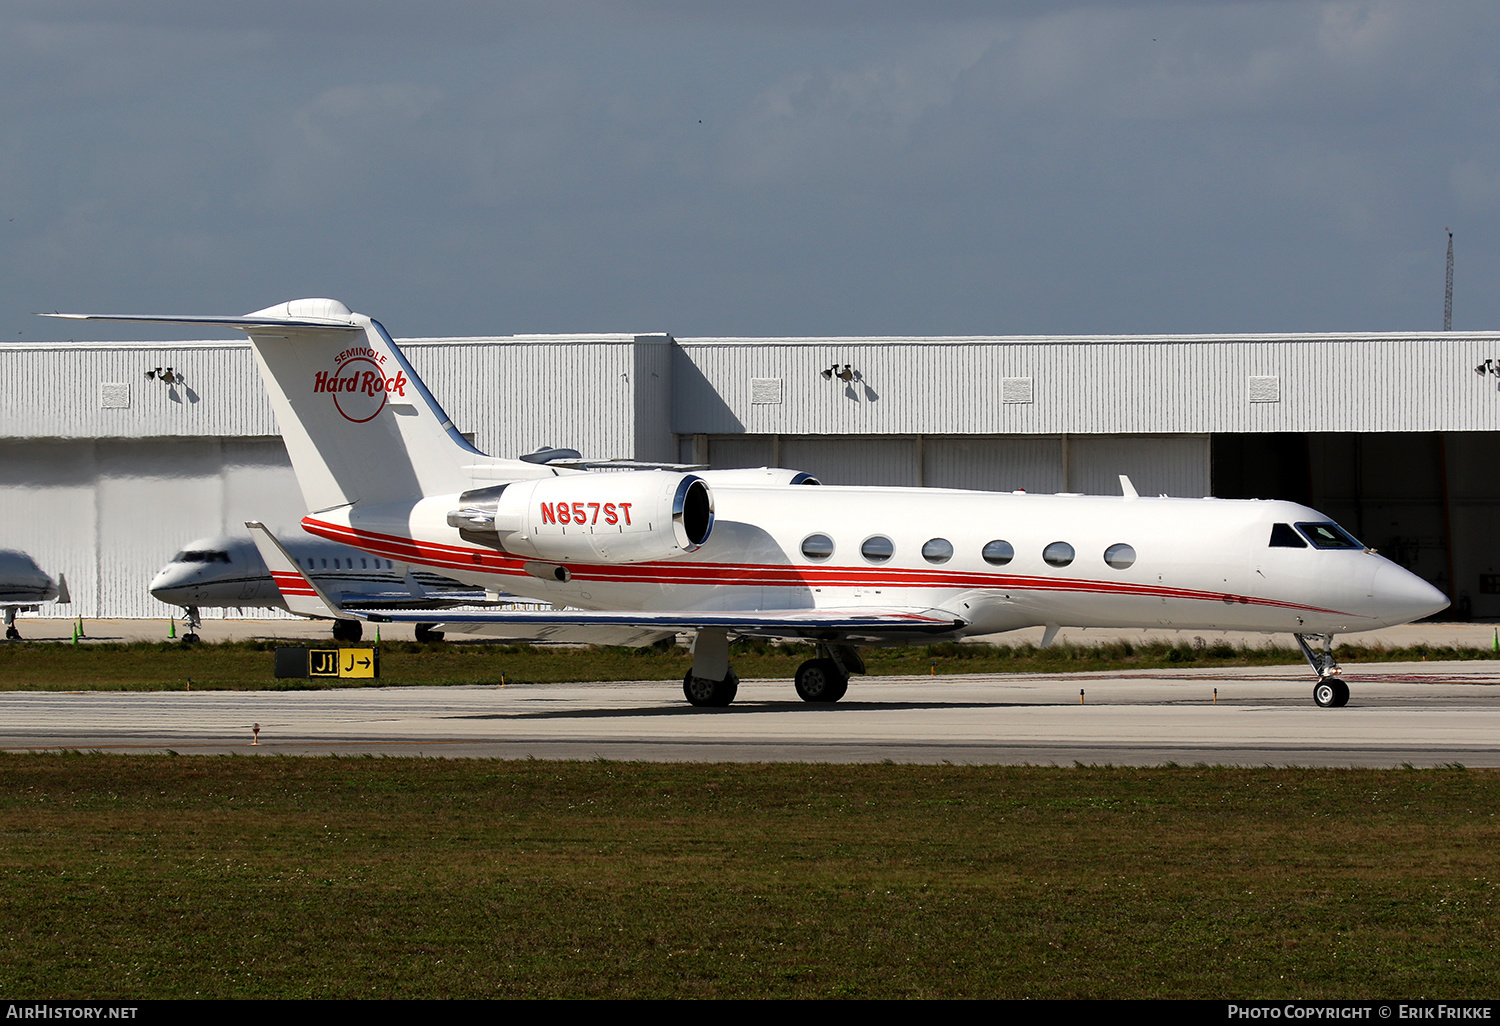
(1404, 597)
(165, 584)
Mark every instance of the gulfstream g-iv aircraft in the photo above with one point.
(643, 554)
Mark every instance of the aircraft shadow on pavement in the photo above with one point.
(789, 707)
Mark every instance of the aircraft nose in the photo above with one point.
(166, 583)
(1403, 596)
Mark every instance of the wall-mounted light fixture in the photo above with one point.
(167, 377)
(844, 373)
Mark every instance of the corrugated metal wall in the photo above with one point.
(1105, 385)
(513, 395)
(1156, 464)
(110, 513)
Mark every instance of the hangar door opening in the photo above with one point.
(1428, 501)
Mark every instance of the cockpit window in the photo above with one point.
(1283, 537)
(200, 556)
(1328, 536)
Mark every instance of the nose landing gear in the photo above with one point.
(1330, 692)
(194, 621)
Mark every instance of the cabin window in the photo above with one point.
(938, 550)
(817, 547)
(364, 564)
(1059, 553)
(998, 553)
(1328, 536)
(325, 564)
(877, 549)
(1120, 556)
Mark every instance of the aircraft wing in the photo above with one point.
(843, 625)
(305, 598)
(432, 598)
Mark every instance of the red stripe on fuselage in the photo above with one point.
(455, 557)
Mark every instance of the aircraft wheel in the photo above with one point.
(701, 691)
(1331, 693)
(821, 680)
(347, 630)
(190, 639)
(11, 634)
(428, 632)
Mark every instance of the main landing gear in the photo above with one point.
(11, 634)
(348, 630)
(1330, 692)
(710, 693)
(826, 678)
(712, 682)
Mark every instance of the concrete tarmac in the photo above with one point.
(1424, 714)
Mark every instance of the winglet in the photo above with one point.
(63, 596)
(303, 597)
(1127, 489)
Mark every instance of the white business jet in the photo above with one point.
(229, 571)
(24, 586)
(643, 554)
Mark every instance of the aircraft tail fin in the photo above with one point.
(302, 594)
(63, 597)
(358, 423)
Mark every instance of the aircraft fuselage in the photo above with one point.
(1000, 561)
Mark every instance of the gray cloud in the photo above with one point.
(781, 169)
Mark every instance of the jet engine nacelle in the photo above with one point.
(613, 517)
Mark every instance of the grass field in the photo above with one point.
(248, 665)
(233, 877)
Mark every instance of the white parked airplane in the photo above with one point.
(24, 586)
(229, 571)
(726, 553)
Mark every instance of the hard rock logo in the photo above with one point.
(360, 385)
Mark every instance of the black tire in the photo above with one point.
(427, 632)
(705, 693)
(1331, 693)
(348, 630)
(821, 680)
(190, 639)
(11, 634)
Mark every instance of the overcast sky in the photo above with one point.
(764, 168)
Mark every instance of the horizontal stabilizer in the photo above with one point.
(336, 317)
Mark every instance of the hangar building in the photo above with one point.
(105, 473)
